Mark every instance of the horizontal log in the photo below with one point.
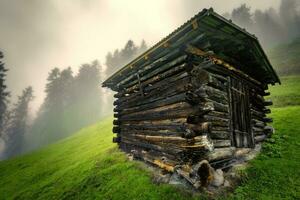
(216, 121)
(260, 138)
(182, 108)
(177, 61)
(220, 123)
(178, 110)
(157, 72)
(152, 123)
(154, 64)
(219, 134)
(257, 98)
(116, 139)
(216, 94)
(162, 80)
(268, 130)
(224, 115)
(257, 131)
(156, 104)
(218, 106)
(242, 152)
(168, 143)
(258, 123)
(222, 78)
(220, 128)
(116, 129)
(266, 110)
(268, 102)
(147, 146)
(212, 118)
(175, 106)
(267, 120)
(178, 129)
(150, 157)
(162, 132)
(171, 127)
(204, 94)
(159, 95)
(257, 113)
(257, 104)
(221, 153)
(221, 143)
(153, 83)
(156, 130)
(116, 122)
(141, 153)
(197, 143)
(164, 139)
(172, 78)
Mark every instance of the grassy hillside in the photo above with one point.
(88, 166)
(84, 166)
(288, 93)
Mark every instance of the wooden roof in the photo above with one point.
(227, 40)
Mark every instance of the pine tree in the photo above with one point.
(121, 57)
(18, 123)
(143, 47)
(3, 94)
(242, 16)
(53, 91)
(130, 50)
(66, 84)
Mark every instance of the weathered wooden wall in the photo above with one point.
(190, 108)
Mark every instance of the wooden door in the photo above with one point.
(240, 114)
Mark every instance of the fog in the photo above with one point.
(36, 36)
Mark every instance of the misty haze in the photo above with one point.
(55, 55)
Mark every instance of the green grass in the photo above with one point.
(84, 166)
(286, 94)
(275, 174)
(88, 165)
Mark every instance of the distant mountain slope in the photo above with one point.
(285, 58)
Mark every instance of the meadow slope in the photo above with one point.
(88, 165)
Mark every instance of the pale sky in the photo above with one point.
(37, 35)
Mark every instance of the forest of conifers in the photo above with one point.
(72, 101)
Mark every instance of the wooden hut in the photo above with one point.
(195, 99)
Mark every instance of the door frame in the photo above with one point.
(241, 134)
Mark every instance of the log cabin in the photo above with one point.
(195, 100)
